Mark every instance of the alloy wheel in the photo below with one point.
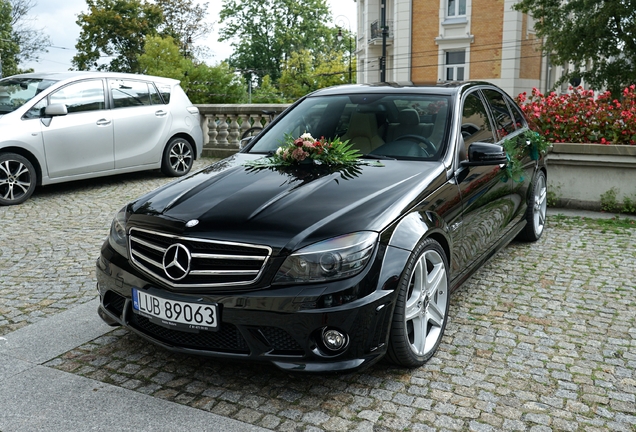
(426, 304)
(540, 205)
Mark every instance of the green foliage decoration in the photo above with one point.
(530, 144)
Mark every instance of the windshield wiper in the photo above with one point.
(376, 156)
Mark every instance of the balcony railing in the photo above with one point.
(224, 124)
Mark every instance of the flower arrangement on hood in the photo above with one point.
(307, 150)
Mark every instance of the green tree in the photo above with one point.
(162, 57)
(31, 41)
(213, 84)
(115, 28)
(184, 21)
(8, 47)
(599, 33)
(264, 34)
(266, 92)
(306, 72)
(202, 83)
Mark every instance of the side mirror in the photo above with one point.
(481, 154)
(244, 142)
(56, 109)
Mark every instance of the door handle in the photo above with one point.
(160, 113)
(103, 122)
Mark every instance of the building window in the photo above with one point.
(456, 8)
(455, 65)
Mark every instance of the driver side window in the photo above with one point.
(81, 96)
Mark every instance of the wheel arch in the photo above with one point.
(185, 136)
(30, 156)
(415, 227)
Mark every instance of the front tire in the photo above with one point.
(178, 158)
(17, 179)
(421, 310)
(537, 210)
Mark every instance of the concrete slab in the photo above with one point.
(45, 399)
(10, 366)
(49, 338)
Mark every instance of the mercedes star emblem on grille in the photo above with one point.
(192, 223)
(176, 261)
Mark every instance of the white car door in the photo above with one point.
(80, 142)
(141, 123)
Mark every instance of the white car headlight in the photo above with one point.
(117, 237)
(337, 258)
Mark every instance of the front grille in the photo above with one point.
(226, 339)
(211, 263)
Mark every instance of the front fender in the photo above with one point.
(411, 229)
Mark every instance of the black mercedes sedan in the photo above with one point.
(336, 236)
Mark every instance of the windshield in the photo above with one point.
(394, 126)
(15, 92)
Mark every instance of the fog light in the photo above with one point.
(334, 340)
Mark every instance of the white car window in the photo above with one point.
(129, 93)
(81, 96)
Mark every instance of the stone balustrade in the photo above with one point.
(224, 124)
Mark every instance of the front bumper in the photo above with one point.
(276, 324)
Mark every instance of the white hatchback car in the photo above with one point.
(58, 127)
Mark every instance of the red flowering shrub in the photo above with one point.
(580, 117)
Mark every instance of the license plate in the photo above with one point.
(175, 314)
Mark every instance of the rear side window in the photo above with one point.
(475, 121)
(165, 90)
(129, 93)
(504, 123)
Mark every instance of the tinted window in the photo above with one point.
(399, 126)
(501, 113)
(81, 96)
(129, 93)
(475, 121)
(520, 120)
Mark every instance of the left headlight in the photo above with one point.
(337, 258)
(117, 236)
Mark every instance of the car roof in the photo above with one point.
(71, 75)
(443, 88)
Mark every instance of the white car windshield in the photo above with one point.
(15, 92)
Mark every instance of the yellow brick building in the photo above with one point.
(447, 40)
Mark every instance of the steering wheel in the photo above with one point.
(429, 146)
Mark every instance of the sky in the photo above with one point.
(57, 20)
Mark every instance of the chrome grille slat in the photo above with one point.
(224, 272)
(150, 245)
(228, 257)
(213, 263)
(147, 259)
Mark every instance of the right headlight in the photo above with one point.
(117, 237)
(337, 258)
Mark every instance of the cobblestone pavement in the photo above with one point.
(542, 338)
(48, 245)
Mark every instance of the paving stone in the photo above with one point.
(543, 337)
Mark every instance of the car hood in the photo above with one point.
(286, 208)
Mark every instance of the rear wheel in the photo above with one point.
(178, 158)
(17, 179)
(421, 309)
(537, 209)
